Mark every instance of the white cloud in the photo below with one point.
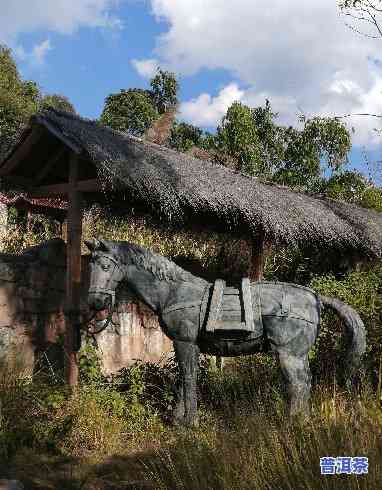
(206, 110)
(298, 54)
(35, 57)
(63, 16)
(20, 52)
(369, 103)
(39, 52)
(145, 67)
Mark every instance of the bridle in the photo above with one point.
(106, 291)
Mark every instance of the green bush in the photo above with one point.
(90, 364)
(148, 387)
(361, 290)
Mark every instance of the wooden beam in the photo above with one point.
(256, 266)
(21, 151)
(49, 164)
(50, 190)
(19, 181)
(91, 185)
(73, 274)
(58, 134)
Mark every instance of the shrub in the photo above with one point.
(362, 291)
(93, 422)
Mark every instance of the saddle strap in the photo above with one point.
(256, 304)
(181, 306)
(215, 305)
(188, 304)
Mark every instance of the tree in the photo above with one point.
(184, 136)
(237, 136)
(285, 155)
(364, 13)
(272, 139)
(164, 90)
(322, 145)
(56, 101)
(135, 110)
(351, 186)
(131, 111)
(18, 100)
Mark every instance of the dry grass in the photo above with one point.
(247, 445)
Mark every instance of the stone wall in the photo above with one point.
(3, 219)
(32, 293)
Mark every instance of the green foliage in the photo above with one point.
(19, 237)
(353, 187)
(18, 100)
(237, 136)
(134, 110)
(331, 139)
(147, 386)
(90, 364)
(56, 101)
(362, 291)
(271, 137)
(52, 417)
(372, 198)
(164, 90)
(92, 422)
(243, 380)
(131, 111)
(184, 136)
(322, 144)
(285, 155)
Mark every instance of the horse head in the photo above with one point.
(106, 273)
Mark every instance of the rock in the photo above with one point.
(7, 339)
(95, 484)
(11, 485)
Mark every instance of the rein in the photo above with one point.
(106, 291)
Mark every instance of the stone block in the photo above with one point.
(11, 485)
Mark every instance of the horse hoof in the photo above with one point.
(177, 421)
(192, 423)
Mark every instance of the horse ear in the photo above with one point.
(96, 245)
(90, 244)
(102, 245)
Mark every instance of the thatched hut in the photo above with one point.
(64, 155)
(180, 188)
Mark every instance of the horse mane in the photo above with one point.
(160, 267)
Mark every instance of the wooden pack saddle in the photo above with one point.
(231, 311)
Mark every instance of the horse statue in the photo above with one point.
(200, 317)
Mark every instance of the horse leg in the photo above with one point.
(298, 378)
(187, 355)
(178, 414)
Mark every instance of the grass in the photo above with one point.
(50, 438)
(245, 441)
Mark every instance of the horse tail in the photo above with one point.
(355, 332)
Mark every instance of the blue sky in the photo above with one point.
(298, 54)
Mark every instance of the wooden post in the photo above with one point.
(256, 266)
(29, 220)
(61, 228)
(73, 274)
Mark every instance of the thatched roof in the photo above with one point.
(178, 187)
(20, 200)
